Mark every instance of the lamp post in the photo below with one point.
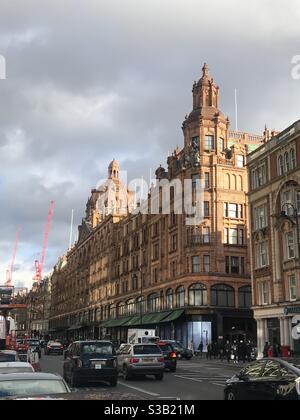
(293, 219)
(141, 298)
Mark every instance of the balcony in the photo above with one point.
(197, 240)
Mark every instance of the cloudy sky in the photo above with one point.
(92, 80)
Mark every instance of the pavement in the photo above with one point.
(196, 379)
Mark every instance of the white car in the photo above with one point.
(15, 367)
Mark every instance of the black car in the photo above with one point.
(266, 379)
(91, 362)
(182, 352)
(170, 355)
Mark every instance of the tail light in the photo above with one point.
(133, 360)
(161, 360)
(61, 346)
(173, 356)
(298, 386)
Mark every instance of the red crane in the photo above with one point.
(9, 271)
(39, 265)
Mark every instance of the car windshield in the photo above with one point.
(97, 349)
(31, 387)
(178, 346)
(7, 357)
(165, 347)
(146, 350)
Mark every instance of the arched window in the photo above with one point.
(130, 307)
(286, 162)
(153, 303)
(141, 305)
(234, 184)
(197, 295)
(280, 165)
(245, 297)
(222, 295)
(292, 159)
(169, 299)
(180, 297)
(120, 309)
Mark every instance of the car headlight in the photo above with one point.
(298, 386)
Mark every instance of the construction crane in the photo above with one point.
(9, 271)
(39, 264)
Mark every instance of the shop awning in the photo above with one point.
(148, 319)
(174, 315)
(74, 327)
(115, 322)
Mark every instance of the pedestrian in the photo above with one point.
(200, 349)
(235, 352)
(266, 349)
(191, 347)
(209, 352)
(227, 350)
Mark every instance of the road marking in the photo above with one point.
(139, 389)
(190, 379)
(222, 385)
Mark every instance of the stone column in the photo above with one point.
(282, 332)
(287, 331)
(260, 337)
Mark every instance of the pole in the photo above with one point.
(71, 230)
(236, 110)
(141, 308)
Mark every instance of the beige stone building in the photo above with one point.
(191, 283)
(274, 201)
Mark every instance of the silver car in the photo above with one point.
(141, 360)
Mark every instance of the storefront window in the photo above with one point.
(153, 303)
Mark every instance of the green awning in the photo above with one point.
(148, 319)
(135, 320)
(174, 315)
(115, 322)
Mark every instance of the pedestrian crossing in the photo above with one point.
(202, 373)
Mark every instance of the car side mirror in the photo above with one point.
(243, 377)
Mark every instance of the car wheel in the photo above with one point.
(230, 396)
(159, 377)
(114, 382)
(126, 374)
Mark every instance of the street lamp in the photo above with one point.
(293, 219)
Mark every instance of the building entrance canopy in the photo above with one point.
(147, 319)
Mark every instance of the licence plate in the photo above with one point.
(148, 360)
(98, 367)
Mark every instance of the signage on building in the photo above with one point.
(292, 310)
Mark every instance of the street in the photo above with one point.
(194, 380)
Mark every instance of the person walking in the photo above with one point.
(200, 349)
(227, 350)
(209, 352)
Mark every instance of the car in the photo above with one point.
(8, 356)
(266, 379)
(141, 360)
(181, 351)
(90, 362)
(170, 355)
(15, 367)
(54, 347)
(31, 384)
